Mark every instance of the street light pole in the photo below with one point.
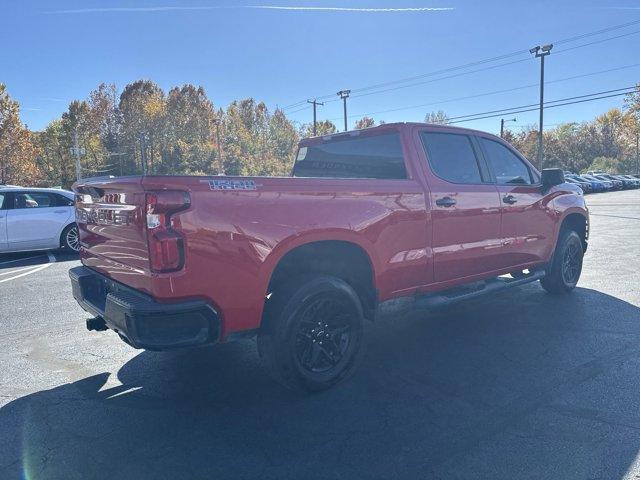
(502, 121)
(344, 94)
(541, 52)
(315, 103)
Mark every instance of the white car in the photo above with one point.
(37, 219)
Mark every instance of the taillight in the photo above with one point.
(166, 243)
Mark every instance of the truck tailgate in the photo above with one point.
(111, 220)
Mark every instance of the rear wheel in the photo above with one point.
(564, 271)
(312, 333)
(70, 238)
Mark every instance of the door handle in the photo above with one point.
(510, 199)
(59, 211)
(445, 202)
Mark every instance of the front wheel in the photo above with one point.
(312, 333)
(564, 271)
(70, 239)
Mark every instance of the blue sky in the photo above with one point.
(54, 52)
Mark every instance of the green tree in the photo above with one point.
(54, 160)
(142, 106)
(188, 132)
(323, 127)
(256, 142)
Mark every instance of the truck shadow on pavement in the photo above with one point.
(525, 385)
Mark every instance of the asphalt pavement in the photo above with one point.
(521, 385)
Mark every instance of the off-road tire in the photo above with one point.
(287, 341)
(564, 270)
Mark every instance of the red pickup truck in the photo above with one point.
(435, 213)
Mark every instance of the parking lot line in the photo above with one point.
(52, 260)
(10, 272)
(37, 269)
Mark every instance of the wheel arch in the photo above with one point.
(577, 221)
(342, 258)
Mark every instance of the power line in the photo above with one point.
(494, 92)
(536, 108)
(480, 62)
(506, 111)
(391, 89)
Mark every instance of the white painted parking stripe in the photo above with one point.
(52, 260)
(41, 267)
(10, 272)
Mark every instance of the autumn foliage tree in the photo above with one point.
(365, 122)
(17, 149)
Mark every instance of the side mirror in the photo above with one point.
(552, 177)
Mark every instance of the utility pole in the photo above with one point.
(315, 103)
(142, 154)
(637, 152)
(76, 152)
(216, 122)
(502, 120)
(344, 94)
(541, 52)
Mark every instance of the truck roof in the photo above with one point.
(16, 188)
(384, 127)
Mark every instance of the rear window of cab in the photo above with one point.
(376, 156)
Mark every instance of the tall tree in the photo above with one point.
(365, 122)
(188, 131)
(323, 127)
(55, 160)
(436, 117)
(142, 106)
(17, 150)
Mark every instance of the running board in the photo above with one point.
(473, 290)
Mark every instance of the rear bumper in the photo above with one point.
(140, 320)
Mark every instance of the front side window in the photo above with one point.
(378, 156)
(507, 167)
(33, 200)
(1, 201)
(452, 157)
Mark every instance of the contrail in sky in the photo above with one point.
(255, 7)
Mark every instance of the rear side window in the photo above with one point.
(507, 167)
(377, 156)
(33, 200)
(452, 157)
(1, 201)
(62, 201)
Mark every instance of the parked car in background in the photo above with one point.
(617, 184)
(596, 185)
(37, 219)
(585, 186)
(604, 184)
(636, 181)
